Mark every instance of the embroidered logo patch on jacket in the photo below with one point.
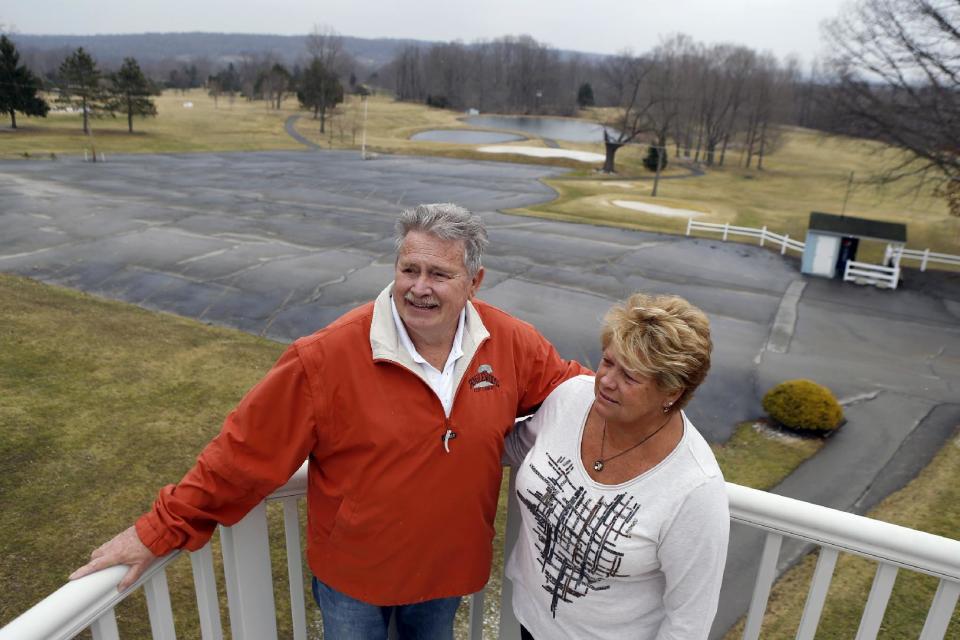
(484, 380)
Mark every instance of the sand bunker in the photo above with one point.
(658, 210)
(539, 152)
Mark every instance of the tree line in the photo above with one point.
(707, 100)
(80, 84)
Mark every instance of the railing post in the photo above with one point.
(783, 244)
(105, 627)
(926, 256)
(291, 529)
(246, 569)
(761, 588)
(938, 617)
(817, 595)
(159, 609)
(877, 602)
(887, 253)
(509, 626)
(205, 586)
(689, 225)
(726, 230)
(763, 235)
(477, 605)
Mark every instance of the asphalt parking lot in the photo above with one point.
(281, 243)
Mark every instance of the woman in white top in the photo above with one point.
(624, 509)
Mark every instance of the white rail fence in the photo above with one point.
(868, 273)
(763, 234)
(898, 254)
(89, 602)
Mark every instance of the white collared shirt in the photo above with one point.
(440, 381)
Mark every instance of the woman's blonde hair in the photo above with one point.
(661, 337)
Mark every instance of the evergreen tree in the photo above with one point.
(654, 156)
(80, 86)
(585, 95)
(18, 85)
(319, 90)
(130, 92)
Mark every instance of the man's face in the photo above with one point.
(431, 286)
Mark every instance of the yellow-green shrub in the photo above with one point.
(803, 404)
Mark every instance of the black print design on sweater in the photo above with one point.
(576, 535)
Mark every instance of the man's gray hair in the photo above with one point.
(448, 222)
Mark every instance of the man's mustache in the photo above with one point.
(421, 302)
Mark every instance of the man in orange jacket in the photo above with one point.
(401, 406)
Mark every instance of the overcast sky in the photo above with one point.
(601, 26)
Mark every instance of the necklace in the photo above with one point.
(601, 461)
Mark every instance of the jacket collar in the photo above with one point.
(385, 340)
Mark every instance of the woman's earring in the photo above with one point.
(666, 407)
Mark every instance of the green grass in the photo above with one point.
(85, 383)
(809, 173)
(931, 502)
(760, 457)
(101, 403)
(240, 126)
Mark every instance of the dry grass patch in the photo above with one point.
(239, 125)
(931, 502)
(809, 173)
(760, 456)
(101, 403)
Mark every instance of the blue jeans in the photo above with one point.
(346, 618)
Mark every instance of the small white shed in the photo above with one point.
(832, 241)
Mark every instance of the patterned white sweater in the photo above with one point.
(642, 559)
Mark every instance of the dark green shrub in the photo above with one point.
(585, 95)
(438, 102)
(803, 404)
(650, 160)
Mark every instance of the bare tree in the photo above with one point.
(512, 74)
(625, 74)
(897, 64)
(273, 85)
(407, 74)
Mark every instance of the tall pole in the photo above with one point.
(656, 178)
(847, 194)
(93, 146)
(363, 135)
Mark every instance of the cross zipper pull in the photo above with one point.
(447, 437)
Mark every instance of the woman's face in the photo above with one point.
(627, 398)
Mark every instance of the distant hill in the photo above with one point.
(217, 48)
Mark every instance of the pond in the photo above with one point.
(465, 136)
(569, 130)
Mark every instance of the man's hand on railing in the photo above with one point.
(124, 548)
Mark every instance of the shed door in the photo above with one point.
(825, 257)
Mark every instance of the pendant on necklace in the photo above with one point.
(598, 465)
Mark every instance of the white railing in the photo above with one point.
(899, 253)
(763, 234)
(891, 546)
(89, 602)
(868, 273)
